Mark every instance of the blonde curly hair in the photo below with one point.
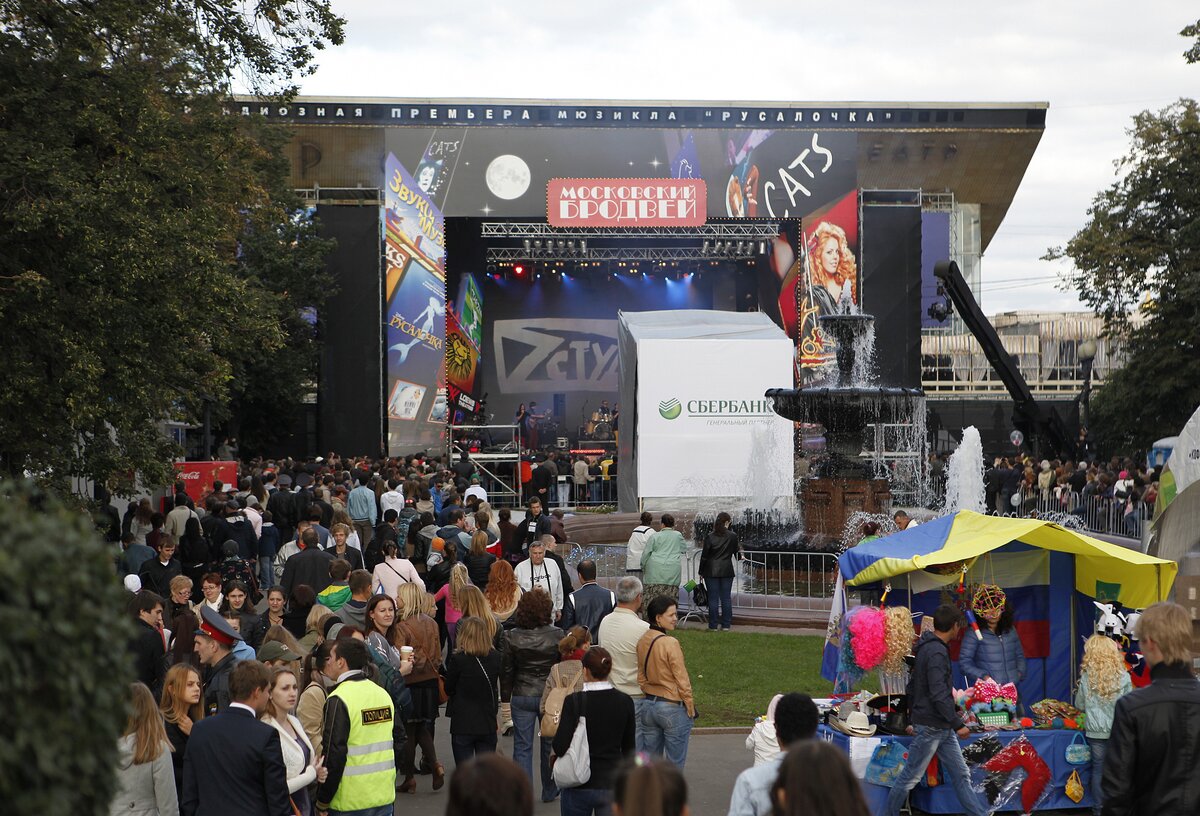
(847, 269)
(1104, 665)
(898, 636)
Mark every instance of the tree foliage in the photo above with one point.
(1141, 249)
(1192, 55)
(125, 194)
(63, 663)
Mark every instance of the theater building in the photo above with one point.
(503, 236)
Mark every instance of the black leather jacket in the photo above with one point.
(716, 559)
(529, 655)
(1153, 762)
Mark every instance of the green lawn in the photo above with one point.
(735, 674)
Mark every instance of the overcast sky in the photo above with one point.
(1096, 63)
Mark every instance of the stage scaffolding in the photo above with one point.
(495, 447)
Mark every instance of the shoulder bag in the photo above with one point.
(553, 705)
(574, 768)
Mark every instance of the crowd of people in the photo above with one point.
(1116, 496)
(299, 635)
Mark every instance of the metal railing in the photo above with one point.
(779, 582)
(1097, 514)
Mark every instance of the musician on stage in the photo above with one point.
(604, 411)
(532, 418)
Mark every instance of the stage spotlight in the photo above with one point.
(519, 270)
(762, 247)
(704, 247)
(582, 246)
(527, 244)
(538, 276)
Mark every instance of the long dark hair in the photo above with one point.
(721, 525)
(369, 622)
(816, 778)
(1004, 623)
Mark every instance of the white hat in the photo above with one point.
(855, 725)
(133, 583)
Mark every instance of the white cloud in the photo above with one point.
(1097, 63)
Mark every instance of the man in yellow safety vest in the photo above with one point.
(357, 738)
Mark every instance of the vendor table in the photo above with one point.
(1051, 745)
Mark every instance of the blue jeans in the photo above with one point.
(525, 716)
(667, 728)
(586, 802)
(720, 591)
(639, 730)
(382, 810)
(1099, 750)
(467, 746)
(266, 572)
(944, 743)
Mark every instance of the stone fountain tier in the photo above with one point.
(844, 409)
(828, 502)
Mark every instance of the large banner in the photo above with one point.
(501, 172)
(829, 282)
(415, 318)
(704, 426)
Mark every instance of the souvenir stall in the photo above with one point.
(1056, 586)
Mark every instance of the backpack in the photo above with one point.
(553, 702)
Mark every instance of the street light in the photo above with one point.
(1087, 355)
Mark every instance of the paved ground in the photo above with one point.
(714, 761)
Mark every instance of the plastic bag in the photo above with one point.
(1018, 767)
(887, 763)
(1074, 788)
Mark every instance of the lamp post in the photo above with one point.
(1087, 355)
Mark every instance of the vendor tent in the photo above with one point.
(1052, 576)
(1176, 529)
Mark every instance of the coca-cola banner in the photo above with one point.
(198, 477)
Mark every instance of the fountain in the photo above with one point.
(846, 482)
(964, 475)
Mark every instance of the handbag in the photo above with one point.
(887, 763)
(443, 697)
(574, 768)
(700, 594)
(1074, 789)
(1078, 752)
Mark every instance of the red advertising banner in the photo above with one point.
(649, 202)
(198, 477)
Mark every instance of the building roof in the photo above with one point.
(977, 151)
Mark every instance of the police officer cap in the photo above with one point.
(216, 627)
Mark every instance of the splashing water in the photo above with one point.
(964, 475)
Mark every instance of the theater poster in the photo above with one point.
(415, 314)
(825, 281)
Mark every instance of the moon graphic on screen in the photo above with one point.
(508, 177)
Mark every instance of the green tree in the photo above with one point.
(64, 666)
(125, 194)
(1141, 249)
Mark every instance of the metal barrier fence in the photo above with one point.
(779, 582)
(1096, 514)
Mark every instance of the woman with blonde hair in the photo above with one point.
(413, 627)
(459, 578)
(1102, 681)
(182, 707)
(502, 591)
(145, 781)
(492, 526)
(831, 267)
(472, 681)
(314, 626)
(303, 764)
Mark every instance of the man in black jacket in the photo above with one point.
(283, 509)
(234, 763)
(935, 722)
(536, 524)
(147, 645)
(1154, 747)
(588, 605)
(309, 566)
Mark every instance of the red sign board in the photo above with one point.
(198, 477)
(649, 202)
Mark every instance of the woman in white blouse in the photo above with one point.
(303, 768)
(394, 572)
